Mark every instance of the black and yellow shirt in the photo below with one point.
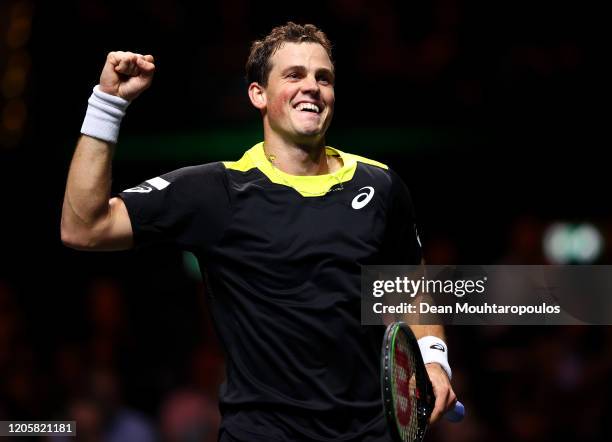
(282, 258)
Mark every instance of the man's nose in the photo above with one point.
(310, 85)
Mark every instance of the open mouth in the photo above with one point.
(308, 107)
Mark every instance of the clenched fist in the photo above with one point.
(126, 74)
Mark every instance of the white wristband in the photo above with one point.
(104, 115)
(433, 349)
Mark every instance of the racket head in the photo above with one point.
(406, 390)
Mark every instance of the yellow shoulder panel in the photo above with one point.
(361, 159)
(242, 165)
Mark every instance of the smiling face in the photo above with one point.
(298, 100)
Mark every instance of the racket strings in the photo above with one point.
(405, 392)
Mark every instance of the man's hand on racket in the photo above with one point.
(126, 74)
(445, 396)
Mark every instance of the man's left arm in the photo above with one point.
(435, 355)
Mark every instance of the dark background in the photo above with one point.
(492, 112)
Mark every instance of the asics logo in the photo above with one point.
(437, 347)
(157, 182)
(139, 189)
(363, 198)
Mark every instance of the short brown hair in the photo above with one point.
(258, 64)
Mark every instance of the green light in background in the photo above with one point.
(570, 243)
(191, 265)
(228, 144)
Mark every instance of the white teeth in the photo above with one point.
(309, 106)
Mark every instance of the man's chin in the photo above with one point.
(309, 136)
(310, 131)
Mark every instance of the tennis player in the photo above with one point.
(280, 235)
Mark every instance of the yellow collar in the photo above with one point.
(305, 185)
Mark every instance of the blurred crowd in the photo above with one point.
(94, 375)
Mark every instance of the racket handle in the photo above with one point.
(457, 414)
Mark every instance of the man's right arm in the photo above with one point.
(91, 220)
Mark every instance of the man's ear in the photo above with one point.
(257, 94)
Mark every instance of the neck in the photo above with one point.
(297, 158)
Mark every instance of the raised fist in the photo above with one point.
(126, 74)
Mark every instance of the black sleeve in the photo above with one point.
(188, 207)
(401, 243)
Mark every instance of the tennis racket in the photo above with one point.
(407, 392)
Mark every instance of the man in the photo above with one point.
(281, 235)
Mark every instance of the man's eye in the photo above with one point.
(293, 75)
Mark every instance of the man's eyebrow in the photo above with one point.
(293, 68)
(329, 72)
(303, 68)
